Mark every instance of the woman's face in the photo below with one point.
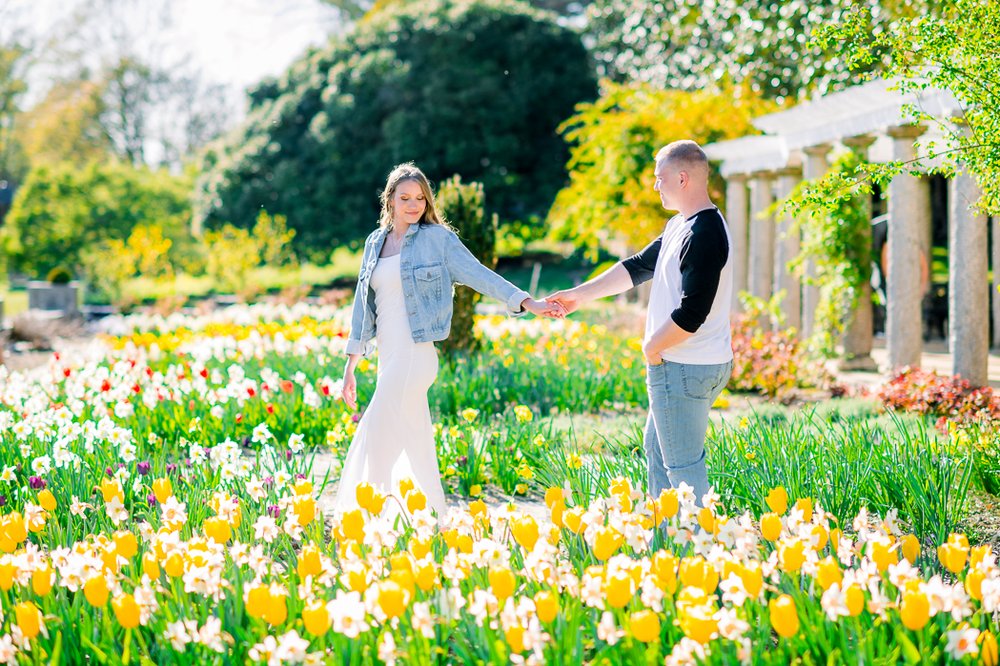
(408, 203)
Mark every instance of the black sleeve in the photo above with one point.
(703, 257)
(640, 266)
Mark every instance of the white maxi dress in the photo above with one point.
(395, 437)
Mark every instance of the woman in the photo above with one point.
(404, 300)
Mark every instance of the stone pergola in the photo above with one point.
(870, 119)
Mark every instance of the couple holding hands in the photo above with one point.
(404, 301)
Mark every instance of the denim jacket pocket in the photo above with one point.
(430, 282)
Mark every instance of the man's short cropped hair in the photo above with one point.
(685, 154)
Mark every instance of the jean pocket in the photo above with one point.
(702, 382)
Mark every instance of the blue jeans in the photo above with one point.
(680, 397)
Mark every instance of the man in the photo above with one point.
(687, 345)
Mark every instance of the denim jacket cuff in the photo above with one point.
(358, 347)
(514, 303)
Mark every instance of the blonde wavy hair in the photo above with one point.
(402, 173)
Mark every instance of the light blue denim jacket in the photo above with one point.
(432, 259)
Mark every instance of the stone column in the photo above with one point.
(815, 166)
(736, 217)
(860, 329)
(968, 286)
(761, 264)
(786, 248)
(996, 281)
(908, 200)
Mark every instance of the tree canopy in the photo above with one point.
(614, 140)
(468, 87)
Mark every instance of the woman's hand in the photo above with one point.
(350, 389)
(543, 309)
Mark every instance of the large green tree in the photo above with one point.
(60, 210)
(954, 49)
(468, 87)
(691, 45)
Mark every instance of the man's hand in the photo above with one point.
(544, 309)
(350, 389)
(567, 298)
(652, 356)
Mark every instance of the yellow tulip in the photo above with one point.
(515, 639)
(791, 556)
(910, 546)
(96, 591)
(546, 606)
(607, 541)
(126, 544)
(420, 548)
(391, 598)
(619, 590)
(573, 519)
(416, 501)
(706, 519)
(525, 531)
(855, 599)
(8, 570)
(111, 489)
(426, 576)
(47, 500)
(162, 489)
(218, 530)
(316, 618)
(770, 526)
(883, 555)
(150, 566)
(777, 500)
(503, 582)
(952, 556)
(828, 573)
(784, 617)
(752, 575)
(914, 610)
(404, 578)
(276, 611)
(174, 566)
(667, 504)
(805, 505)
(978, 554)
(989, 652)
(310, 563)
(28, 618)
(126, 610)
(304, 508)
(258, 599)
(665, 569)
(352, 525)
(645, 626)
(364, 493)
(835, 535)
(697, 572)
(302, 487)
(405, 486)
(974, 583)
(41, 580)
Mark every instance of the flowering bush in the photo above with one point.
(948, 398)
(772, 362)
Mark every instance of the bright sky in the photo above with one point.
(234, 42)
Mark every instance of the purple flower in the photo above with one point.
(288, 454)
(151, 498)
(299, 476)
(143, 468)
(36, 482)
(246, 441)
(3, 500)
(268, 481)
(462, 460)
(108, 471)
(171, 467)
(355, 417)
(274, 511)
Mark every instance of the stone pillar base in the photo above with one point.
(863, 363)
